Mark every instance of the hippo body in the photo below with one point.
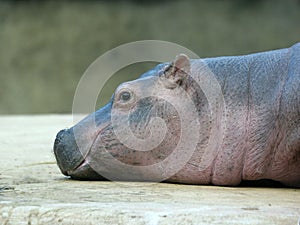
(261, 123)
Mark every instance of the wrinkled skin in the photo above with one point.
(261, 138)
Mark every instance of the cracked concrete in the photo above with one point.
(33, 191)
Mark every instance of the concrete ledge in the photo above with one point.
(33, 191)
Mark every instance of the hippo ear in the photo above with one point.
(177, 71)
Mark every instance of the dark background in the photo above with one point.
(45, 46)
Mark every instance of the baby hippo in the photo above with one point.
(215, 121)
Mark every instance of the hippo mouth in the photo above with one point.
(84, 172)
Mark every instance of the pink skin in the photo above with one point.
(261, 138)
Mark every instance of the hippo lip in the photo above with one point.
(85, 172)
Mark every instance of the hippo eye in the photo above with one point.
(125, 96)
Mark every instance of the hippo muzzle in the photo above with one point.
(70, 160)
(72, 146)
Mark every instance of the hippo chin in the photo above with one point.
(255, 135)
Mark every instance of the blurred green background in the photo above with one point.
(45, 46)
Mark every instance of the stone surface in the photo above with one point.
(33, 191)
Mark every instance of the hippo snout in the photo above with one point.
(66, 151)
(69, 158)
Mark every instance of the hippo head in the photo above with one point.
(96, 146)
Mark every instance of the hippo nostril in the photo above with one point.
(61, 133)
(66, 151)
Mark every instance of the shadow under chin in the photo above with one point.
(262, 183)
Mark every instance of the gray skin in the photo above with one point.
(261, 138)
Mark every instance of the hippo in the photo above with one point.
(253, 135)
